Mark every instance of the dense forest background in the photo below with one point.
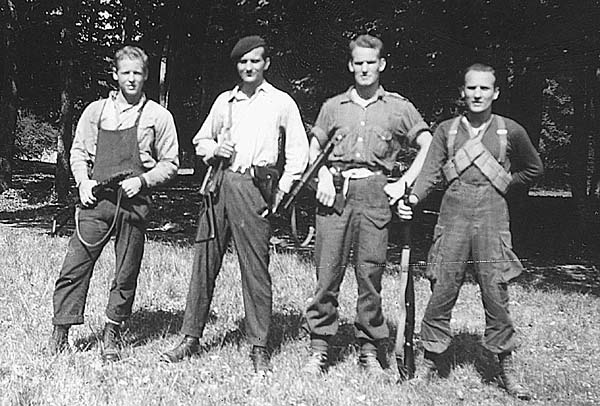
(55, 59)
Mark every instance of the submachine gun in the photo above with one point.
(309, 180)
(110, 184)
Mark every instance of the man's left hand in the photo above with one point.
(395, 190)
(131, 186)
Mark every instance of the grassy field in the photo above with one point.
(559, 334)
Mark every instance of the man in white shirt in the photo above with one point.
(243, 129)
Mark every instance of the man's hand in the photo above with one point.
(395, 190)
(405, 211)
(85, 192)
(131, 186)
(325, 187)
(225, 149)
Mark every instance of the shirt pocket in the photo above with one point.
(511, 265)
(380, 141)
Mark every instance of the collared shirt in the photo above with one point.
(522, 160)
(157, 137)
(256, 123)
(374, 133)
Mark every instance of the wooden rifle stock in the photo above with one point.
(404, 348)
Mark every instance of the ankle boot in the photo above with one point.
(110, 343)
(508, 375)
(59, 342)
(186, 348)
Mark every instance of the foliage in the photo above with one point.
(34, 136)
(557, 356)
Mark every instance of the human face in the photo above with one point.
(480, 91)
(130, 75)
(366, 64)
(252, 66)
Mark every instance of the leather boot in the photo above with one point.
(508, 375)
(110, 343)
(59, 342)
(430, 367)
(260, 360)
(186, 348)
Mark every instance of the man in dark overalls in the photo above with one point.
(376, 125)
(481, 155)
(124, 133)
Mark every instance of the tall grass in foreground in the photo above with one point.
(559, 334)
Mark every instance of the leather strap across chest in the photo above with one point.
(473, 152)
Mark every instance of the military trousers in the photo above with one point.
(363, 228)
(473, 227)
(72, 285)
(237, 213)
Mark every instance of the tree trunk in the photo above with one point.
(65, 139)
(8, 94)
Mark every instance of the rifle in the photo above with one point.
(308, 179)
(112, 183)
(404, 348)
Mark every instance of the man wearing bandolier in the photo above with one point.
(374, 123)
(481, 155)
(243, 130)
(124, 133)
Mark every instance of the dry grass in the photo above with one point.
(559, 334)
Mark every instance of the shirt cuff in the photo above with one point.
(414, 132)
(320, 135)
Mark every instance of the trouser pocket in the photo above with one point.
(434, 258)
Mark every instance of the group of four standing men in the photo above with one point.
(480, 154)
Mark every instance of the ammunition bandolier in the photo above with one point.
(473, 152)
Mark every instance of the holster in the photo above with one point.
(266, 179)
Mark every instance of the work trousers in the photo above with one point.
(362, 227)
(473, 226)
(237, 212)
(72, 286)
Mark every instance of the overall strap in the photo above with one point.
(452, 136)
(101, 111)
(137, 120)
(502, 138)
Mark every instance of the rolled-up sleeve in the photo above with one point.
(83, 149)
(166, 147)
(411, 122)
(204, 141)
(296, 146)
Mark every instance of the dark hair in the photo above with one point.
(131, 52)
(479, 67)
(366, 41)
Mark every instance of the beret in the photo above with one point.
(245, 45)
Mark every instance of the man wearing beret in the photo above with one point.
(375, 124)
(243, 128)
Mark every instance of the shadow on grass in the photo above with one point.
(466, 348)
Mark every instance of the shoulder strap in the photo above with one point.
(502, 138)
(101, 111)
(137, 120)
(452, 136)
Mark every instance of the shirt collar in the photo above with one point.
(125, 107)
(237, 94)
(347, 96)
